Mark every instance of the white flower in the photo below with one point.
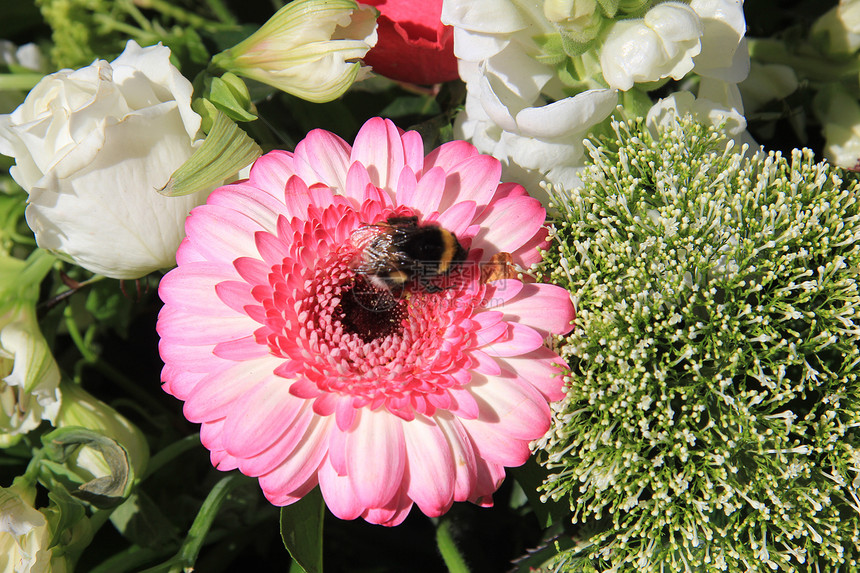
(662, 44)
(309, 48)
(29, 377)
(838, 30)
(25, 535)
(724, 54)
(718, 103)
(27, 56)
(516, 109)
(839, 113)
(767, 82)
(92, 147)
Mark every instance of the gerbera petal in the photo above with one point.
(260, 416)
(301, 465)
(542, 368)
(323, 157)
(379, 148)
(509, 223)
(338, 493)
(431, 466)
(428, 192)
(545, 308)
(512, 404)
(270, 172)
(377, 436)
(262, 207)
(221, 234)
(214, 396)
(475, 178)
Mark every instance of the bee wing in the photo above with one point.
(362, 236)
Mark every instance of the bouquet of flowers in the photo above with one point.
(463, 285)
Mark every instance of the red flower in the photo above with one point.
(413, 46)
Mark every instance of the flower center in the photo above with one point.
(370, 313)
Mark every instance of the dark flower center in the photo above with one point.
(370, 313)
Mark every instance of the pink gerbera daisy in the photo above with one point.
(297, 381)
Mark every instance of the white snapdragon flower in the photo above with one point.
(516, 109)
(92, 147)
(309, 48)
(662, 44)
(724, 53)
(839, 113)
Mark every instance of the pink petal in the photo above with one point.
(249, 200)
(244, 348)
(283, 448)
(431, 466)
(379, 148)
(260, 416)
(428, 192)
(176, 324)
(376, 457)
(323, 157)
(494, 444)
(413, 150)
(391, 515)
(542, 368)
(179, 382)
(300, 467)
(220, 234)
(448, 155)
(191, 358)
(520, 339)
(473, 179)
(458, 218)
(462, 453)
(508, 224)
(338, 493)
(192, 285)
(214, 397)
(512, 405)
(296, 198)
(545, 308)
(357, 180)
(271, 171)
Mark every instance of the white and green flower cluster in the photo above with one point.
(713, 403)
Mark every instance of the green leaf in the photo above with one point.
(103, 492)
(226, 150)
(140, 521)
(109, 306)
(610, 7)
(230, 94)
(302, 531)
(530, 476)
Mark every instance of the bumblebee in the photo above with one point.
(400, 252)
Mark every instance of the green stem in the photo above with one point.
(91, 358)
(222, 12)
(187, 554)
(39, 264)
(450, 554)
(19, 81)
(168, 9)
(172, 451)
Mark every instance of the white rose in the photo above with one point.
(92, 147)
(661, 44)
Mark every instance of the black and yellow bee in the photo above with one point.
(400, 252)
